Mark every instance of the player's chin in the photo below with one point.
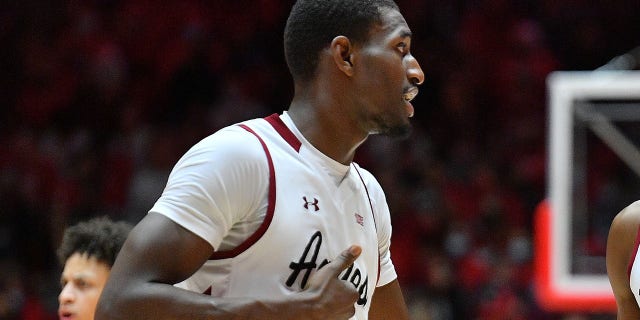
(399, 131)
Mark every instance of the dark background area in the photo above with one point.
(98, 100)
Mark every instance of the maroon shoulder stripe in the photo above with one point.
(270, 209)
(635, 251)
(284, 131)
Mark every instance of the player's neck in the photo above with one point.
(323, 122)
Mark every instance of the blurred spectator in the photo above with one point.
(87, 253)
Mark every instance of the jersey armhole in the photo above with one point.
(373, 215)
(270, 208)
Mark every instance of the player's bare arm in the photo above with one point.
(388, 303)
(620, 245)
(159, 253)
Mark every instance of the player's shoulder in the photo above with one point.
(368, 179)
(630, 215)
(633, 208)
(626, 223)
(232, 141)
(366, 175)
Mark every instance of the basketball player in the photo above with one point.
(87, 252)
(623, 262)
(271, 218)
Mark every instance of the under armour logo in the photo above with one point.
(307, 203)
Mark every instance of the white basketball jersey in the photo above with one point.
(311, 217)
(634, 270)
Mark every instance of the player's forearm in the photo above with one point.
(160, 301)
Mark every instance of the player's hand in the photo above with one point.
(331, 297)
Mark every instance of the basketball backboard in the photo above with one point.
(593, 172)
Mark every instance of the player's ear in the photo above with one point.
(342, 52)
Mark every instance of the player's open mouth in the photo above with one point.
(64, 315)
(410, 94)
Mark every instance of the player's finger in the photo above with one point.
(345, 259)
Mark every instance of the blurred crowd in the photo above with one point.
(100, 98)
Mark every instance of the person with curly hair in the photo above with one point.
(87, 252)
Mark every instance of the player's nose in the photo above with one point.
(66, 294)
(414, 71)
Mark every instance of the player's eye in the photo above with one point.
(81, 284)
(403, 48)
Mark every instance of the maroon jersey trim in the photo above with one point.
(270, 209)
(635, 251)
(372, 215)
(284, 131)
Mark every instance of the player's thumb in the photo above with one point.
(346, 258)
